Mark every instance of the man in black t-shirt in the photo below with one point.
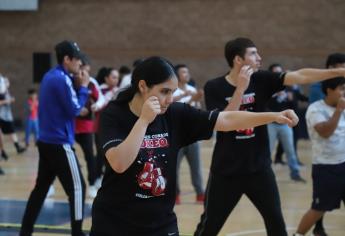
(241, 161)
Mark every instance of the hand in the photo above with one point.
(84, 111)
(288, 117)
(197, 97)
(150, 109)
(94, 107)
(83, 78)
(341, 104)
(243, 78)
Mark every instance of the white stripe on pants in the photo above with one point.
(78, 194)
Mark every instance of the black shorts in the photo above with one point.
(7, 127)
(328, 186)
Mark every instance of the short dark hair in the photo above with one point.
(136, 62)
(270, 68)
(237, 47)
(85, 60)
(31, 91)
(178, 67)
(334, 59)
(67, 48)
(124, 70)
(332, 83)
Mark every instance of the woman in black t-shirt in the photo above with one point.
(141, 133)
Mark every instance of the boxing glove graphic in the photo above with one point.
(145, 177)
(158, 182)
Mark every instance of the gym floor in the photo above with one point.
(16, 184)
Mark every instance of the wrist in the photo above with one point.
(274, 116)
(240, 90)
(143, 122)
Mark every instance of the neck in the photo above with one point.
(136, 104)
(329, 102)
(232, 76)
(64, 66)
(181, 85)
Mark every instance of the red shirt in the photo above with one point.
(85, 124)
(33, 109)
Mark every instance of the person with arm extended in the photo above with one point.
(140, 134)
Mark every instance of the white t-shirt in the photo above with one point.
(3, 85)
(186, 99)
(126, 81)
(326, 150)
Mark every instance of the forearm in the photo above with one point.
(3, 102)
(327, 128)
(307, 76)
(235, 101)
(233, 120)
(121, 157)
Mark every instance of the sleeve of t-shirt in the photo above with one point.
(212, 99)
(268, 83)
(315, 115)
(194, 124)
(110, 133)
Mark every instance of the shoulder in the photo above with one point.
(264, 74)
(176, 107)
(115, 107)
(56, 75)
(317, 106)
(214, 83)
(178, 92)
(191, 88)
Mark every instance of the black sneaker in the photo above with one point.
(4, 155)
(1, 171)
(280, 162)
(21, 149)
(319, 232)
(298, 179)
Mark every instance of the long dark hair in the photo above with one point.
(153, 70)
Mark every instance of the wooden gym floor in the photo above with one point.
(16, 184)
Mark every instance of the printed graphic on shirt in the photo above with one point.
(247, 104)
(153, 159)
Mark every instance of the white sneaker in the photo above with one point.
(51, 191)
(92, 191)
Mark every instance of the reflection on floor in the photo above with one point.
(53, 213)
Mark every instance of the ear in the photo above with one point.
(238, 60)
(66, 59)
(142, 86)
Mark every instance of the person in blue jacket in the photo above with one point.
(63, 94)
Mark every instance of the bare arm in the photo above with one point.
(307, 76)
(233, 120)
(326, 129)
(122, 156)
(5, 101)
(242, 84)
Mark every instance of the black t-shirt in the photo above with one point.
(242, 151)
(141, 199)
(279, 103)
